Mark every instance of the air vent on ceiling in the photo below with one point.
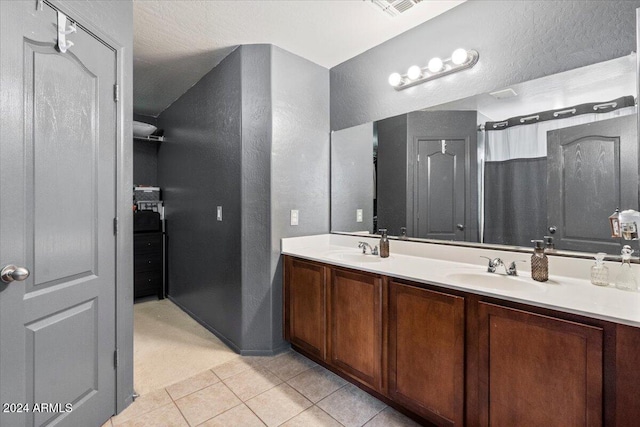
(504, 93)
(395, 7)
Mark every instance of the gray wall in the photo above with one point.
(256, 198)
(392, 174)
(252, 136)
(145, 163)
(200, 168)
(517, 41)
(299, 159)
(352, 178)
(145, 156)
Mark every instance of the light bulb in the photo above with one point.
(459, 56)
(435, 65)
(395, 79)
(414, 72)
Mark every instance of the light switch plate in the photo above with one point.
(358, 215)
(294, 216)
(219, 213)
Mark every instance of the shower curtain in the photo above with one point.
(515, 178)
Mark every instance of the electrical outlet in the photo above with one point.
(294, 216)
(219, 213)
(358, 215)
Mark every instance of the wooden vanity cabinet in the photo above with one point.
(305, 306)
(426, 352)
(627, 369)
(451, 357)
(538, 370)
(355, 325)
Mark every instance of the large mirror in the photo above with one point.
(550, 157)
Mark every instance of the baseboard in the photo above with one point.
(205, 325)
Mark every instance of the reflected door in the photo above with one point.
(439, 201)
(57, 204)
(592, 170)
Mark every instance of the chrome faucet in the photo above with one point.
(365, 245)
(497, 262)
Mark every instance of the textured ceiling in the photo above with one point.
(178, 42)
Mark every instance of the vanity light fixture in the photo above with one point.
(461, 59)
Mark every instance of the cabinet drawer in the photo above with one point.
(148, 262)
(145, 243)
(147, 283)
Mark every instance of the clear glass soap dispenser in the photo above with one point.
(599, 271)
(626, 279)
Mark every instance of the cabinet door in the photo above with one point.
(356, 325)
(426, 353)
(537, 370)
(305, 306)
(627, 376)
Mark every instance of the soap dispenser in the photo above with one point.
(384, 243)
(539, 262)
(626, 279)
(599, 271)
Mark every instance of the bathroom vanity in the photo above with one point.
(430, 332)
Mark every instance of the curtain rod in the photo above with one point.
(576, 110)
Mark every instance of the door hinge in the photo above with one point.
(418, 158)
(115, 226)
(116, 92)
(40, 5)
(116, 358)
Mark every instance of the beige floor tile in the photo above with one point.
(316, 383)
(288, 365)
(391, 418)
(142, 405)
(108, 423)
(278, 405)
(351, 406)
(165, 416)
(312, 417)
(240, 416)
(195, 383)
(236, 366)
(207, 403)
(252, 382)
(170, 346)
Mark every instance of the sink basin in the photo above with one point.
(494, 281)
(354, 257)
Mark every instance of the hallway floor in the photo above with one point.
(232, 390)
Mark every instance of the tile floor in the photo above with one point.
(283, 390)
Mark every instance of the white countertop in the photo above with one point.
(568, 289)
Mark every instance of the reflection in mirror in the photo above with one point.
(553, 156)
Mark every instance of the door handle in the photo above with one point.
(460, 227)
(553, 229)
(12, 273)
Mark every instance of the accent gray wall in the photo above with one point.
(352, 178)
(299, 160)
(392, 173)
(200, 168)
(517, 41)
(145, 156)
(145, 163)
(256, 199)
(252, 136)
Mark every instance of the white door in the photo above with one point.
(57, 204)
